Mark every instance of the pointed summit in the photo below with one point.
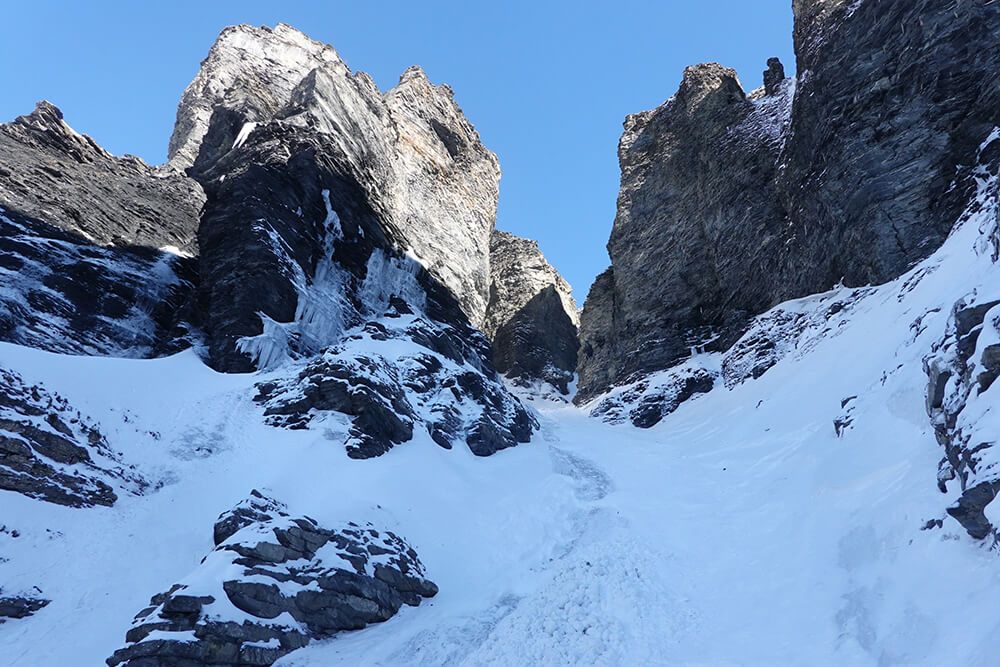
(249, 74)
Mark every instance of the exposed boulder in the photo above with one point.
(531, 316)
(50, 172)
(731, 203)
(273, 583)
(20, 606)
(51, 452)
(647, 401)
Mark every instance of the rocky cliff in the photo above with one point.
(531, 317)
(51, 172)
(411, 152)
(731, 202)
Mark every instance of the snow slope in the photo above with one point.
(740, 530)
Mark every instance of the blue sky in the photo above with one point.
(547, 84)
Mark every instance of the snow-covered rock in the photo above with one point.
(62, 293)
(272, 583)
(51, 452)
(396, 373)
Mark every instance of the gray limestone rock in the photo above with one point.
(731, 203)
(531, 317)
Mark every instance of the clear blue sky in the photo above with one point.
(547, 84)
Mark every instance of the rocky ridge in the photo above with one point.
(50, 172)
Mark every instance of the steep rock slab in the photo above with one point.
(50, 172)
(273, 583)
(893, 100)
(531, 316)
(61, 293)
(445, 190)
(51, 452)
(854, 175)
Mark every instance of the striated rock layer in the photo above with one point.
(531, 318)
(731, 202)
(51, 172)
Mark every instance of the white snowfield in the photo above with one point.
(741, 530)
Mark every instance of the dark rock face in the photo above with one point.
(961, 370)
(531, 316)
(774, 76)
(277, 568)
(50, 172)
(731, 203)
(82, 233)
(49, 451)
(445, 385)
(680, 247)
(64, 294)
(877, 152)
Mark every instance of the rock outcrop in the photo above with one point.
(272, 111)
(273, 583)
(247, 77)
(347, 219)
(961, 370)
(51, 452)
(731, 203)
(50, 172)
(531, 317)
(698, 226)
(93, 247)
(20, 606)
(400, 372)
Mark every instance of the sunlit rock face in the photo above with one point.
(732, 202)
